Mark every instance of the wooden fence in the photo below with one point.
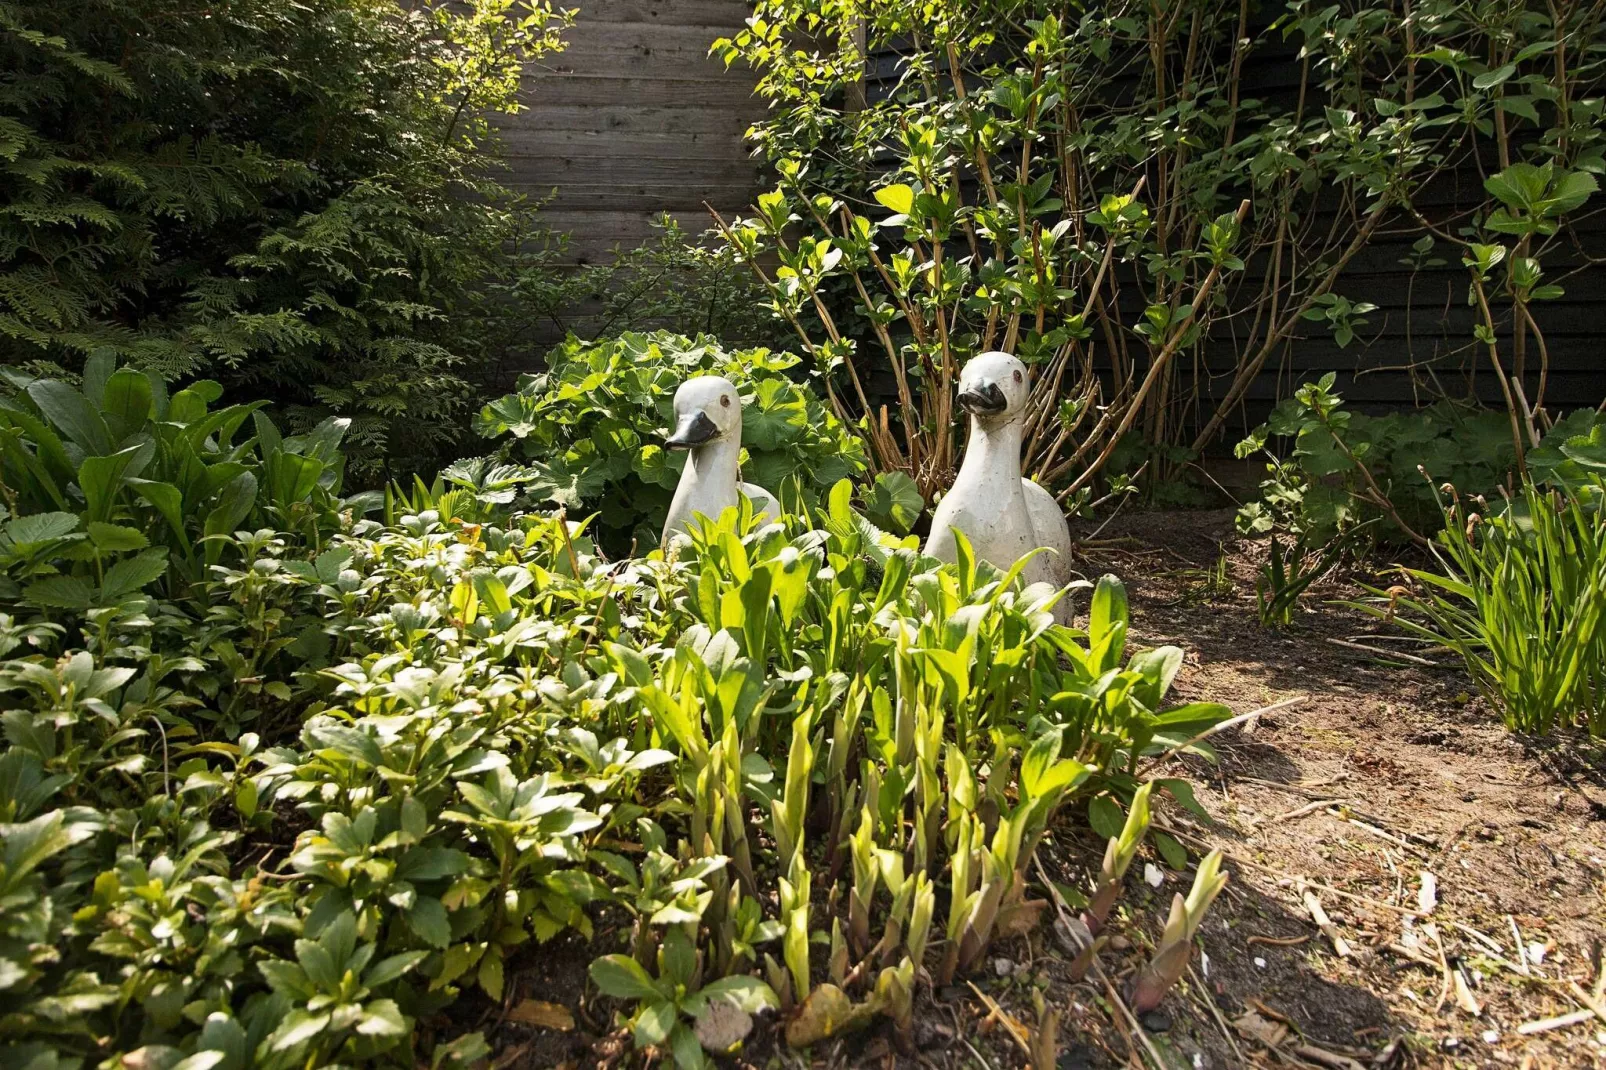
(634, 119)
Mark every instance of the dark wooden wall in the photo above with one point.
(635, 119)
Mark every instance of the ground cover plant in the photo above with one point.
(591, 428)
(278, 795)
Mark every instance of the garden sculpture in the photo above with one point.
(708, 425)
(1003, 515)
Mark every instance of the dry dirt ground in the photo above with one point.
(1383, 777)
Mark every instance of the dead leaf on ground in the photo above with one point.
(542, 1015)
(827, 1012)
(722, 1026)
(1252, 1025)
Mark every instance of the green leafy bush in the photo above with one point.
(592, 426)
(290, 196)
(1520, 594)
(1348, 469)
(1085, 187)
(498, 712)
(672, 281)
(118, 467)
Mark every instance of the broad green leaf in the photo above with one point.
(60, 592)
(1175, 855)
(100, 478)
(28, 532)
(167, 500)
(73, 415)
(428, 920)
(127, 403)
(654, 1023)
(114, 538)
(898, 198)
(1104, 814)
(128, 576)
(622, 977)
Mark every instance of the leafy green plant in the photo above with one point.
(675, 280)
(1171, 956)
(592, 426)
(124, 469)
(1347, 470)
(1085, 188)
(1289, 572)
(471, 737)
(1519, 594)
(327, 993)
(676, 995)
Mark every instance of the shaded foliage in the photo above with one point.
(291, 196)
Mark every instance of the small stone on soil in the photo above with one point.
(1074, 1059)
(930, 1034)
(1156, 1021)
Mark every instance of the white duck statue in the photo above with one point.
(1003, 515)
(708, 425)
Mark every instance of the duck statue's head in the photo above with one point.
(994, 388)
(706, 408)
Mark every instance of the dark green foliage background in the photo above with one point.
(287, 196)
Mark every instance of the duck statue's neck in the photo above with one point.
(992, 456)
(715, 463)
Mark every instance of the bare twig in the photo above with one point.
(1561, 1021)
(1221, 726)
(1325, 924)
(1399, 655)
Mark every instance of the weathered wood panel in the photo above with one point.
(635, 119)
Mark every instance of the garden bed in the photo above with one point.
(1382, 772)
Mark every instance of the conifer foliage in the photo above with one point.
(287, 194)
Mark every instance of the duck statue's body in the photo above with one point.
(1002, 515)
(708, 425)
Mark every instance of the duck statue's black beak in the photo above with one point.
(692, 431)
(983, 399)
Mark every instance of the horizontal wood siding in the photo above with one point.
(635, 119)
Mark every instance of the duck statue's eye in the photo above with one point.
(725, 400)
(1017, 375)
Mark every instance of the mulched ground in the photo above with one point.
(1381, 774)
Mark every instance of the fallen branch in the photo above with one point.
(1308, 808)
(1561, 1021)
(1396, 654)
(1593, 1003)
(1325, 924)
(1221, 726)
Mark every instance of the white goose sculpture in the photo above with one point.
(708, 425)
(1003, 515)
